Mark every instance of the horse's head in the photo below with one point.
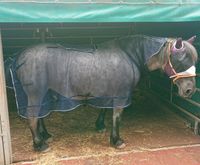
(180, 65)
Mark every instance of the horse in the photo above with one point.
(103, 76)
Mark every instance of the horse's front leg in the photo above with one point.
(115, 139)
(100, 126)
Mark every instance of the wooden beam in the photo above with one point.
(4, 118)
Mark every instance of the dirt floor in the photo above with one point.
(146, 125)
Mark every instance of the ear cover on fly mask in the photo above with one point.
(191, 40)
(177, 51)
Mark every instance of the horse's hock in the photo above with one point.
(159, 127)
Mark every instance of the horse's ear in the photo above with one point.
(191, 40)
(178, 44)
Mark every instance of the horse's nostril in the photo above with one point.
(188, 91)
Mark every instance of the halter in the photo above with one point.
(171, 72)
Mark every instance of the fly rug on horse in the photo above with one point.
(50, 77)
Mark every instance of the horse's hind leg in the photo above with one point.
(100, 126)
(43, 131)
(32, 113)
(38, 141)
(115, 139)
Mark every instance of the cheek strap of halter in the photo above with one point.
(170, 71)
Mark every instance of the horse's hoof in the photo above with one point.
(46, 150)
(49, 140)
(101, 130)
(119, 144)
(41, 148)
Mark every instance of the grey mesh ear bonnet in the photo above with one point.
(180, 62)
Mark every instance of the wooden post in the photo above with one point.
(5, 139)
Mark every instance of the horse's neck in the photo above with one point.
(159, 60)
(142, 49)
(153, 63)
(133, 47)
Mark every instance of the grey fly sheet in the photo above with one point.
(50, 77)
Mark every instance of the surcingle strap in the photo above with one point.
(86, 48)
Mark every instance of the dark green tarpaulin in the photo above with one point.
(100, 11)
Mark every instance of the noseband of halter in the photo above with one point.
(171, 72)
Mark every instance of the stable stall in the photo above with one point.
(90, 22)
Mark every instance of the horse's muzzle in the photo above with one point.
(189, 92)
(186, 87)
